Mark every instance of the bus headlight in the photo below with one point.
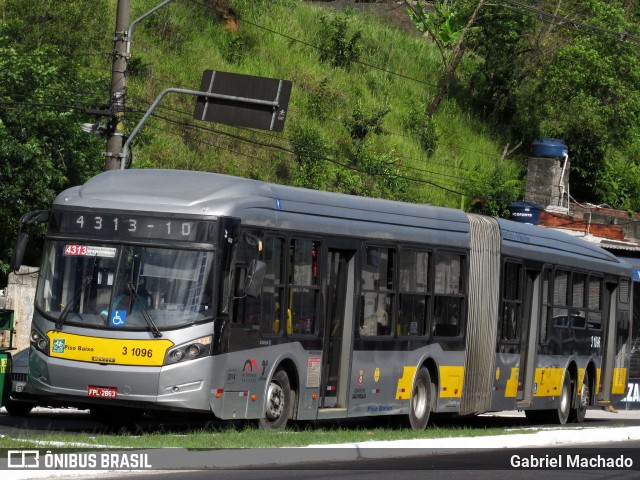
(198, 348)
(39, 341)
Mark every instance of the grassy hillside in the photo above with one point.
(392, 81)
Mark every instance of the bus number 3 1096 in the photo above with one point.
(137, 352)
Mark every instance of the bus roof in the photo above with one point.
(278, 206)
(260, 203)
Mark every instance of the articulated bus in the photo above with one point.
(175, 291)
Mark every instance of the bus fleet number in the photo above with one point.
(137, 352)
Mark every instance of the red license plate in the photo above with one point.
(102, 392)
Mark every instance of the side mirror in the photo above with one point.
(18, 251)
(255, 277)
(37, 216)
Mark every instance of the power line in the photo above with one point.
(319, 157)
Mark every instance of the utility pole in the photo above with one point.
(115, 131)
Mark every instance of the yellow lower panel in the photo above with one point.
(549, 382)
(619, 381)
(107, 350)
(405, 383)
(451, 382)
(511, 389)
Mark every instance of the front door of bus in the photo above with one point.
(338, 329)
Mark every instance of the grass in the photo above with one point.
(398, 71)
(230, 436)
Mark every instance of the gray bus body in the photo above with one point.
(368, 307)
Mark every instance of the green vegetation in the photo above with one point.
(362, 117)
(231, 437)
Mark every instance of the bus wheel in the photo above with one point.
(561, 415)
(277, 403)
(421, 397)
(577, 414)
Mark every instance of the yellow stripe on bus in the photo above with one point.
(549, 382)
(114, 351)
(619, 381)
(451, 381)
(511, 389)
(405, 383)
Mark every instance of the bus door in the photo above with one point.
(614, 292)
(529, 336)
(338, 329)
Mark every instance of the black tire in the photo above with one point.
(557, 416)
(560, 416)
(18, 409)
(576, 415)
(421, 400)
(278, 403)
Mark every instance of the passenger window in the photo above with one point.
(594, 303)
(273, 305)
(376, 300)
(448, 294)
(561, 298)
(303, 287)
(414, 293)
(511, 301)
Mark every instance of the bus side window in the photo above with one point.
(415, 296)
(246, 310)
(273, 287)
(304, 288)
(511, 300)
(449, 294)
(377, 297)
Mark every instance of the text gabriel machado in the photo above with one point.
(570, 461)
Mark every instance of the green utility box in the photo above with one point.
(6, 325)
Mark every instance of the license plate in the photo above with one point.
(102, 392)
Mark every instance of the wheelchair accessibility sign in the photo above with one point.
(118, 318)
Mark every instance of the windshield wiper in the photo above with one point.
(78, 293)
(143, 309)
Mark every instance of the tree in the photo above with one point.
(448, 30)
(589, 95)
(42, 149)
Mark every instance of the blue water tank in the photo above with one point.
(525, 212)
(549, 147)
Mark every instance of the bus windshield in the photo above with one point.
(123, 286)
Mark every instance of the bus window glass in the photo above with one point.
(304, 289)
(578, 289)
(246, 310)
(414, 275)
(511, 302)
(446, 316)
(448, 298)
(448, 274)
(624, 291)
(595, 293)
(561, 299)
(273, 287)
(594, 303)
(376, 309)
(117, 286)
(560, 288)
